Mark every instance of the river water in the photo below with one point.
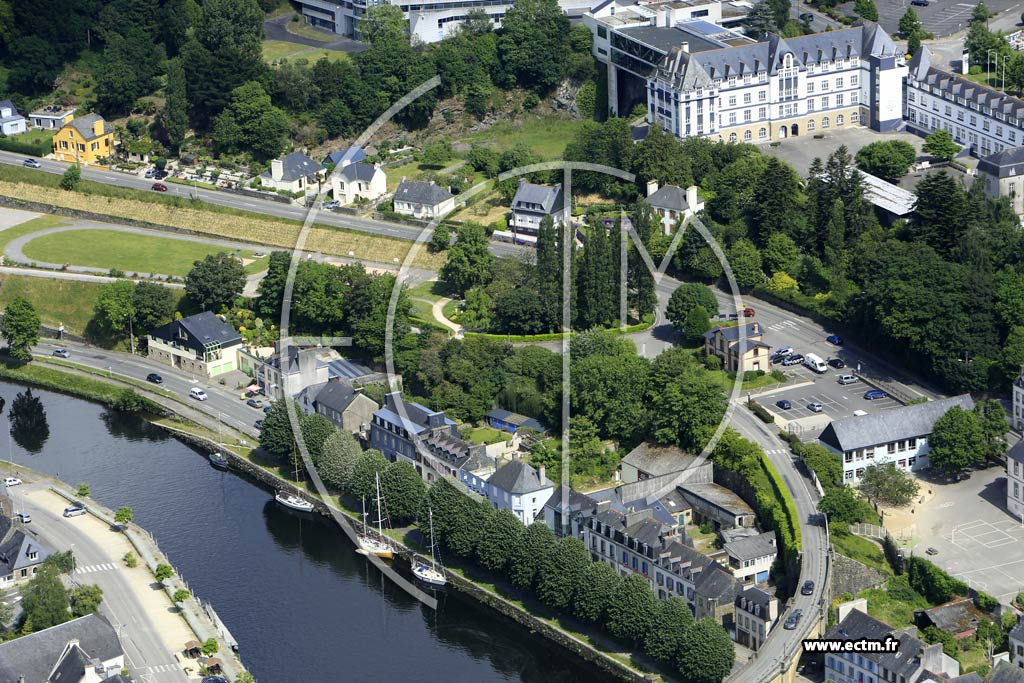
(302, 604)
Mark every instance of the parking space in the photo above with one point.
(837, 401)
(974, 538)
(940, 17)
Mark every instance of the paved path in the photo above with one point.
(77, 277)
(275, 29)
(11, 217)
(437, 308)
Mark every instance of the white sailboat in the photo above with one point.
(294, 502)
(432, 573)
(373, 541)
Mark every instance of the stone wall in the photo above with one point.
(850, 576)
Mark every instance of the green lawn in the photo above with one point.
(126, 251)
(487, 435)
(29, 227)
(896, 613)
(545, 135)
(276, 50)
(36, 135)
(861, 549)
(301, 28)
(432, 290)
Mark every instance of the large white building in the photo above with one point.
(429, 20)
(1017, 419)
(700, 79)
(520, 488)
(898, 436)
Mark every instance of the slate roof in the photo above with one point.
(658, 460)
(419, 415)
(83, 125)
(753, 547)
(1005, 164)
(953, 86)
(518, 478)
(15, 116)
(671, 197)
(72, 667)
(519, 421)
(205, 327)
(357, 154)
(955, 617)
(718, 496)
(358, 171)
(717, 583)
(1017, 632)
(577, 501)
(1004, 672)
(15, 550)
(732, 334)
(336, 395)
(754, 596)
(858, 626)
(890, 425)
(294, 166)
(415, 192)
(542, 199)
(34, 656)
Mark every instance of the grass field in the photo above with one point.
(29, 227)
(59, 302)
(861, 549)
(36, 135)
(301, 28)
(487, 435)
(276, 50)
(546, 136)
(125, 251)
(432, 290)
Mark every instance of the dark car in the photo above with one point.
(807, 16)
(784, 404)
(254, 402)
(793, 620)
(920, 3)
(258, 424)
(154, 378)
(215, 679)
(160, 175)
(267, 408)
(159, 187)
(32, 163)
(808, 588)
(875, 394)
(837, 363)
(795, 359)
(834, 339)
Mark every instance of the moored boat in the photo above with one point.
(219, 460)
(294, 502)
(373, 541)
(432, 572)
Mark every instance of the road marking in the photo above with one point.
(88, 569)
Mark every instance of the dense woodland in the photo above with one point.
(204, 62)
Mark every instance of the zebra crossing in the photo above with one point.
(776, 451)
(89, 569)
(162, 668)
(779, 326)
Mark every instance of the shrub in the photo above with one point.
(83, 490)
(760, 411)
(985, 602)
(130, 560)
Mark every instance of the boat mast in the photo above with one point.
(380, 509)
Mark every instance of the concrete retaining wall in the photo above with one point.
(850, 576)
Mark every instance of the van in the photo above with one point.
(815, 363)
(847, 379)
(197, 393)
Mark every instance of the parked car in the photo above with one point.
(258, 424)
(258, 254)
(834, 339)
(254, 402)
(784, 404)
(62, 353)
(873, 394)
(159, 187)
(837, 363)
(807, 16)
(807, 588)
(333, 204)
(150, 173)
(154, 378)
(847, 379)
(815, 407)
(24, 517)
(160, 175)
(267, 408)
(215, 679)
(198, 394)
(795, 359)
(920, 3)
(784, 351)
(74, 510)
(748, 313)
(32, 163)
(12, 481)
(932, 551)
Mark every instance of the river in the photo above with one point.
(302, 604)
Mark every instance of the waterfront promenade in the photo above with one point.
(152, 629)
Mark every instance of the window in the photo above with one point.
(810, 104)
(732, 137)
(810, 87)
(984, 124)
(747, 136)
(854, 99)
(746, 116)
(824, 84)
(732, 100)
(949, 110)
(974, 120)
(746, 79)
(762, 113)
(839, 100)
(732, 118)
(762, 96)
(602, 32)
(999, 131)
(824, 104)
(891, 447)
(746, 98)
(810, 125)
(839, 84)
(824, 122)
(853, 81)
(762, 133)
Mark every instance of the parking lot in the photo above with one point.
(976, 538)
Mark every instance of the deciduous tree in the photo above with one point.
(940, 145)
(468, 259)
(501, 535)
(631, 609)
(337, 458)
(957, 441)
(595, 592)
(889, 485)
(21, 328)
(44, 600)
(364, 474)
(668, 629)
(403, 489)
(215, 281)
(561, 571)
(707, 654)
(685, 298)
(115, 306)
(889, 159)
(525, 559)
(85, 600)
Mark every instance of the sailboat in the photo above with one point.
(291, 500)
(432, 573)
(373, 541)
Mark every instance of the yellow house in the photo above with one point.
(85, 140)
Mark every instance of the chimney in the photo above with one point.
(755, 328)
(97, 127)
(652, 187)
(542, 472)
(276, 169)
(931, 657)
(686, 47)
(965, 63)
(691, 198)
(307, 367)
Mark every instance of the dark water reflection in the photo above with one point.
(303, 606)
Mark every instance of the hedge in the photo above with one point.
(37, 149)
(760, 411)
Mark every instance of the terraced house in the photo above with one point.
(700, 79)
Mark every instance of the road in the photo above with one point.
(148, 658)
(265, 207)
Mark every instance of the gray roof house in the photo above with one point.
(347, 407)
(424, 201)
(85, 125)
(1005, 672)
(359, 181)
(578, 507)
(349, 155)
(898, 436)
(532, 203)
(86, 648)
(751, 557)
(673, 204)
(11, 122)
(201, 343)
(909, 662)
(294, 172)
(1002, 173)
(647, 461)
(724, 342)
(718, 505)
(21, 555)
(520, 488)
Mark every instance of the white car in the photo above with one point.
(24, 517)
(12, 481)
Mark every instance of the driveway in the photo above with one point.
(802, 150)
(274, 29)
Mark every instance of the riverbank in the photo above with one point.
(244, 464)
(174, 625)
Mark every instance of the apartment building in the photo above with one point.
(898, 436)
(757, 611)
(700, 79)
(1015, 480)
